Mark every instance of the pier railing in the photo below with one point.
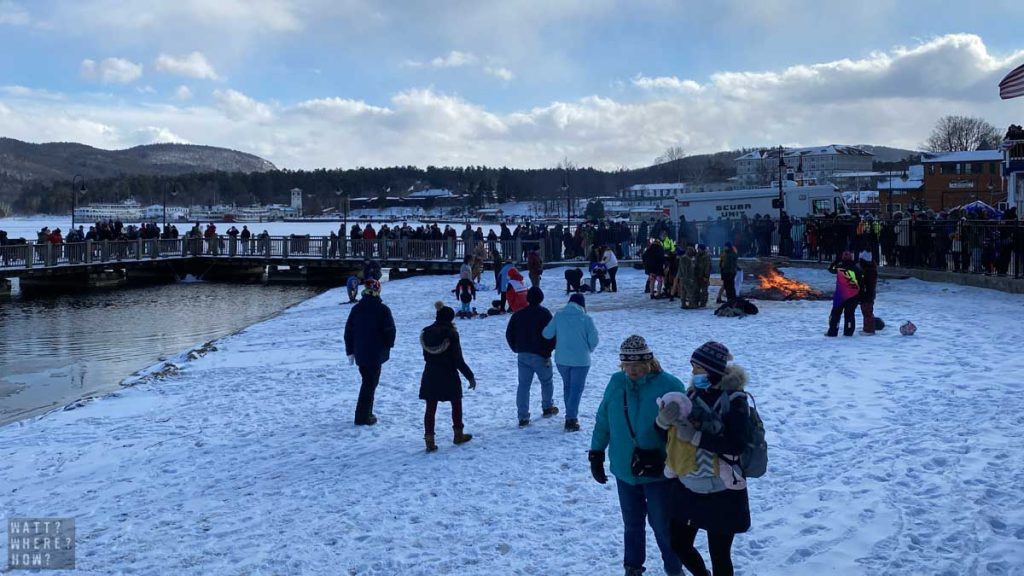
(274, 249)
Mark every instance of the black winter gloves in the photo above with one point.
(472, 384)
(596, 458)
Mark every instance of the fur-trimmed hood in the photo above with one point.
(436, 338)
(735, 379)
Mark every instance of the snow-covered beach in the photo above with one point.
(889, 454)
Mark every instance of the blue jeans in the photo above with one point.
(530, 364)
(574, 378)
(651, 502)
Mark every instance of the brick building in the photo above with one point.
(958, 178)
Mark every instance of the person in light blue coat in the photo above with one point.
(625, 421)
(575, 338)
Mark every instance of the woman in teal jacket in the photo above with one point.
(575, 338)
(634, 391)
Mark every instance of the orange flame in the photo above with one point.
(792, 289)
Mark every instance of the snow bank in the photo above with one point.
(889, 455)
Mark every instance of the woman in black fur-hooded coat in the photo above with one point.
(442, 353)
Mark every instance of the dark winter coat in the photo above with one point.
(869, 281)
(524, 331)
(442, 352)
(370, 332)
(724, 510)
(729, 261)
(654, 259)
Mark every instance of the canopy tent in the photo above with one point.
(979, 207)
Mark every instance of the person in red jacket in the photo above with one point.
(515, 294)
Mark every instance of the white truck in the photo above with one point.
(799, 202)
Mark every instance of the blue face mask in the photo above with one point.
(700, 381)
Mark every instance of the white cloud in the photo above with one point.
(193, 65)
(147, 89)
(499, 72)
(183, 93)
(238, 106)
(454, 59)
(26, 92)
(13, 14)
(157, 135)
(666, 83)
(887, 98)
(111, 70)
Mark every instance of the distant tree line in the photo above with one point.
(326, 188)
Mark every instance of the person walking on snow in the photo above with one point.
(846, 296)
(575, 337)
(626, 424)
(710, 492)
(524, 335)
(442, 355)
(702, 271)
(369, 337)
(535, 267)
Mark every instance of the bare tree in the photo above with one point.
(671, 154)
(960, 133)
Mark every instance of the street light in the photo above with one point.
(174, 192)
(344, 207)
(74, 196)
(782, 168)
(903, 177)
(568, 200)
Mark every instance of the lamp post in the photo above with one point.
(568, 200)
(74, 196)
(782, 168)
(340, 193)
(174, 192)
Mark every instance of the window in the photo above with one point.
(822, 205)
(948, 169)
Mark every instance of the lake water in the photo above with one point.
(56, 349)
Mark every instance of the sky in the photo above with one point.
(521, 83)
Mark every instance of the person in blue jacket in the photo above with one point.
(633, 392)
(369, 338)
(575, 338)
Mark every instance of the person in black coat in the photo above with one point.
(369, 337)
(525, 338)
(442, 353)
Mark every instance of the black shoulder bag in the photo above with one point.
(645, 463)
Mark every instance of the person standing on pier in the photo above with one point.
(369, 338)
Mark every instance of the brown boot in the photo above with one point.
(460, 437)
(429, 439)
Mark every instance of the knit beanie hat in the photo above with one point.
(635, 349)
(372, 287)
(579, 300)
(865, 256)
(444, 313)
(712, 356)
(534, 295)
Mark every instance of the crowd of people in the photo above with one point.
(692, 480)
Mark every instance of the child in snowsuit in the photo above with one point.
(465, 291)
(846, 297)
(598, 277)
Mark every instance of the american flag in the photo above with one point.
(1013, 85)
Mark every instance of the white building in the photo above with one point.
(818, 163)
(296, 205)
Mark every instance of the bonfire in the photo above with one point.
(772, 285)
